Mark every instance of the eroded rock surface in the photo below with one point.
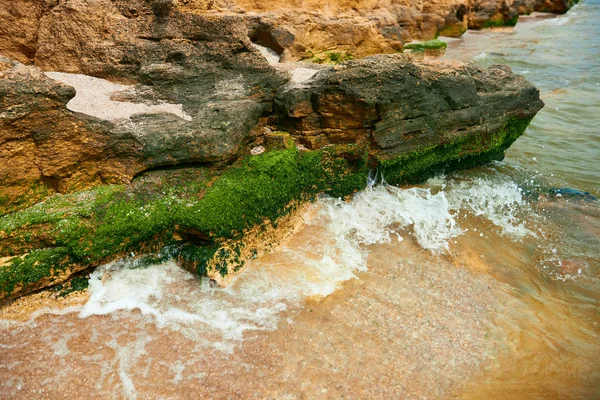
(395, 107)
(97, 37)
(203, 64)
(46, 148)
(312, 29)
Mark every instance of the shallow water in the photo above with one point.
(399, 293)
(479, 284)
(560, 56)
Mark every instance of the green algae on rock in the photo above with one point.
(500, 22)
(464, 152)
(68, 233)
(390, 113)
(206, 224)
(434, 44)
(431, 48)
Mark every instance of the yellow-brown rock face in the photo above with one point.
(100, 33)
(45, 148)
(307, 29)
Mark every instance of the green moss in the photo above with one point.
(32, 268)
(76, 284)
(245, 195)
(202, 221)
(420, 165)
(513, 21)
(500, 22)
(196, 256)
(434, 44)
(96, 226)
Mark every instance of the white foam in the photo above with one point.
(559, 20)
(498, 201)
(175, 300)
(61, 346)
(335, 249)
(127, 357)
(331, 249)
(480, 56)
(93, 97)
(370, 216)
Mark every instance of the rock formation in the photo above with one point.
(301, 29)
(96, 36)
(395, 108)
(178, 176)
(44, 147)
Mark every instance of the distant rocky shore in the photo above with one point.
(49, 31)
(219, 146)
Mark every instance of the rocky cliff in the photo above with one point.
(49, 32)
(203, 146)
(301, 29)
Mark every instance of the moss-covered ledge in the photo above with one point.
(434, 44)
(460, 153)
(200, 221)
(210, 222)
(430, 48)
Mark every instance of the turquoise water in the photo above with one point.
(561, 56)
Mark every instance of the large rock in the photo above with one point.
(301, 29)
(406, 119)
(388, 106)
(196, 94)
(396, 107)
(19, 25)
(47, 148)
(205, 64)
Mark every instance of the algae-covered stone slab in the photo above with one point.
(204, 222)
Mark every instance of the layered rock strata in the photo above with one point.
(397, 109)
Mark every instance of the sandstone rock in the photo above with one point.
(554, 6)
(207, 64)
(46, 148)
(19, 25)
(395, 107)
(407, 119)
(98, 37)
